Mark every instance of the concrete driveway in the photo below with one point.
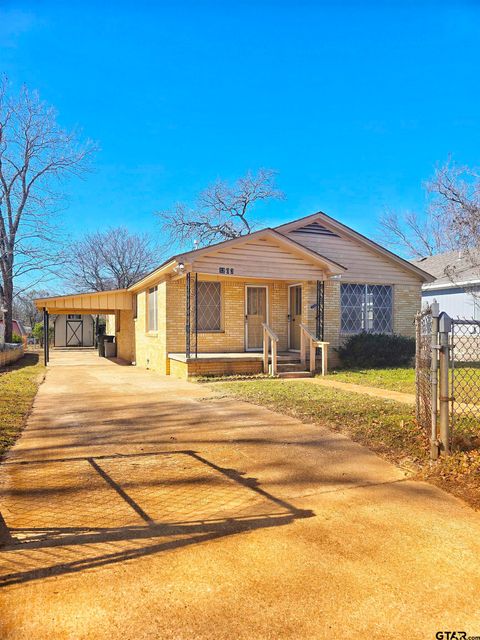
(141, 507)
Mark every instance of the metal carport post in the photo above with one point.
(45, 336)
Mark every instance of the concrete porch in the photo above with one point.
(239, 363)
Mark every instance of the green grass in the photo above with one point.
(403, 379)
(18, 387)
(387, 427)
(396, 379)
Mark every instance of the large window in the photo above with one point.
(366, 307)
(209, 306)
(152, 305)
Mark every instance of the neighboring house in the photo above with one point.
(17, 328)
(74, 330)
(456, 286)
(314, 272)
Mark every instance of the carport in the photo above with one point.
(98, 302)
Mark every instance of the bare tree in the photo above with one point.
(456, 202)
(416, 235)
(36, 155)
(222, 211)
(24, 308)
(451, 220)
(113, 259)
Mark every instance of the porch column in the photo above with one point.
(196, 314)
(187, 314)
(45, 337)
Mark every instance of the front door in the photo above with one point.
(255, 316)
(295, 316)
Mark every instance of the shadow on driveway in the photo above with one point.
(88, 512)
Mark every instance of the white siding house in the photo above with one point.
(456, 286)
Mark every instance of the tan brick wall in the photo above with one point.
(407, 300)
(202, 368)
(231, 338)
(331, 322)
(125, 336)
(11, 355)
(150, 348)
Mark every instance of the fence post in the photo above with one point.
(418, 337)
(445, 326)
(434, 444)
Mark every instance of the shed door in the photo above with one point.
(74, 336)
(255, 316)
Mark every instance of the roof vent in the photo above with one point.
(315, 229)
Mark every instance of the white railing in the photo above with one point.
(269, 336)
(308, 338)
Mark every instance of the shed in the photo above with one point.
(74, 330)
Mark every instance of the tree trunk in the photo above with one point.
(8, 316)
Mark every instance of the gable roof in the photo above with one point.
(268, 233)
(317, 223)
(451, 269)
(326, 224)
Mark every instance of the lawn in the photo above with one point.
(387, 427)
(18, 386)
(396, 379)
(403, 379)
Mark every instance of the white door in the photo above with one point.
(294, 316)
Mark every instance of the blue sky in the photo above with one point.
(353, 103)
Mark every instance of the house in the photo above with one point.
(212, 310)
(74, 330)
(456, 286)
(18, 329)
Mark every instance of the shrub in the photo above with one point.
(37, 332)
(16, 339)
(373, 350)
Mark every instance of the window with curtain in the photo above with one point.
(366, 307)
(209, 306)
(152, 304)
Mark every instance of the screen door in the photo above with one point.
(255, 316)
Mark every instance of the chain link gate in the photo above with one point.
(447, 377)
(465, 376)
(423, 368)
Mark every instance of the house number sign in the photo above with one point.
(228, 271)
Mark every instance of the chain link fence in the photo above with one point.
(423, 365)
(465, 376)
(447, 375)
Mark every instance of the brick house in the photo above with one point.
(296, 291)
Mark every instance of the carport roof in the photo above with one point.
(95, 302)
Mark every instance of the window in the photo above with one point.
(74, 316)
(152, 316)
(366, 307)
(209, 306)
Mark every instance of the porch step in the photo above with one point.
(290, 366)
(295, 374)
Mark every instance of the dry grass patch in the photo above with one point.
(18, 387)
